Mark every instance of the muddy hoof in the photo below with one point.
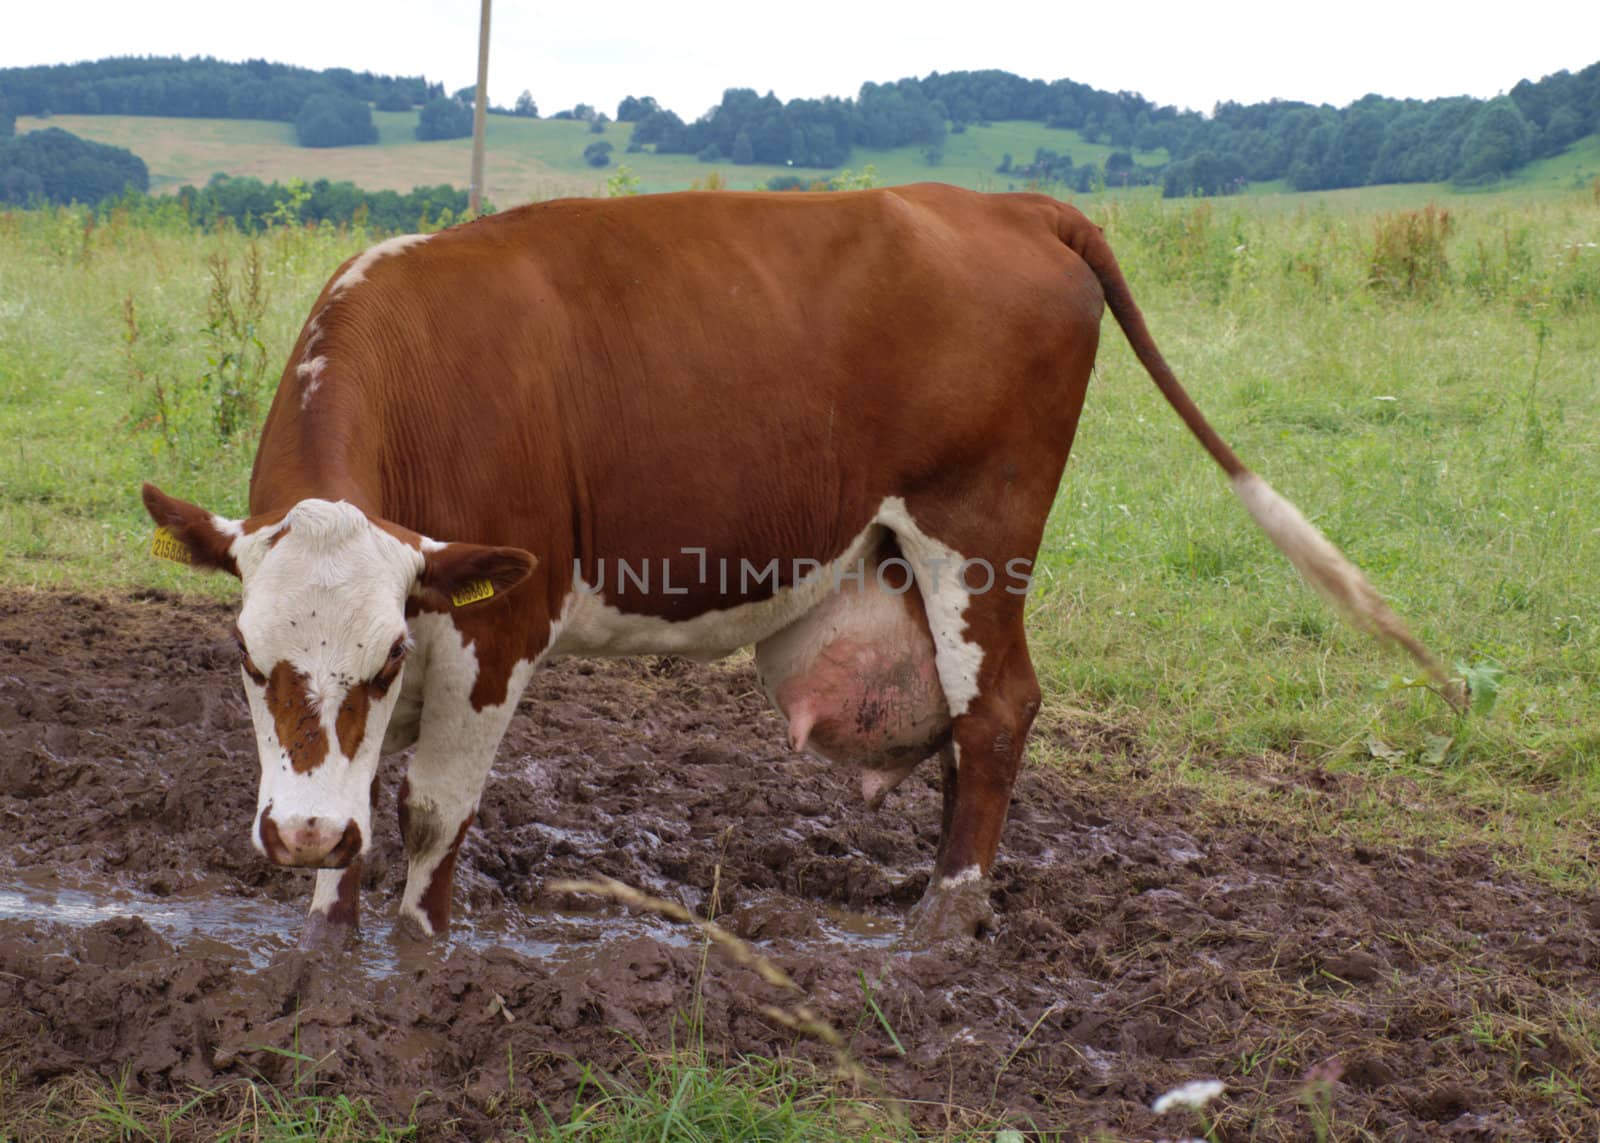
(955, 911)
(322, 934)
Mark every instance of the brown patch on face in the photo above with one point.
(351, 724)
(435, 900)
(299, 728)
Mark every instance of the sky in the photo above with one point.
(1189, 54)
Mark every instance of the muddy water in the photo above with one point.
(1143, 941)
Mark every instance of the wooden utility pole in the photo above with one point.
(479, 110)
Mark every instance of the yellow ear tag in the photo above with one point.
(472, 592)
(165, 546)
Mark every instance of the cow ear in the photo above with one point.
(465, 574)
(188, 534)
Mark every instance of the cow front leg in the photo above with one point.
(433, 825)
(464, 716)
(438, 802)
(335, 914)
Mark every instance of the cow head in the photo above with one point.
(322, 647)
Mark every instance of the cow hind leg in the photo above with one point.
(980, 768)
(975, 616)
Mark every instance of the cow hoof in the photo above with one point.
(954, 910)
(321, 934)
(414, 929)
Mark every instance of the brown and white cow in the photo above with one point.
(830, 426)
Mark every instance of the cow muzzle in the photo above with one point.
(310, 842)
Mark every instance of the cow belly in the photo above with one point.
(856, 678)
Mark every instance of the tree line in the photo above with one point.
(1467, 141)
(251, 205)
(1313, 147)
(198, 87)
(329, 108)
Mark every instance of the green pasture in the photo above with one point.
(526, 159)
(1427, 389)
(532, 159)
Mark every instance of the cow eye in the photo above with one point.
(245, 660)
(391, 667)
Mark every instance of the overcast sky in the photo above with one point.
(1187, 53)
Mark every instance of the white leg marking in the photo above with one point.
(937, 567)
(326, 894)
(962, 877)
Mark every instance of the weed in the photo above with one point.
(622, 182)
(237, 357)
(1408, 252)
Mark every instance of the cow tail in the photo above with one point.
(1321, 564)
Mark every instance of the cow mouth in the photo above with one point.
(338, 856)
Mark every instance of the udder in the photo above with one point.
(857, 680)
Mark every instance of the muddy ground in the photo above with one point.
(1144, 939)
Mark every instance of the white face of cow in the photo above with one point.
(323, 640)
(323, 637)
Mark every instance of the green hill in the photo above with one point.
(526, 158)
(543, 158)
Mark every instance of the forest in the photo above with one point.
(56, 166)
(1462, 140)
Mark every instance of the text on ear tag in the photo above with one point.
(165, 546)
(472, 592)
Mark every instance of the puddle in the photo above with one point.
(863, 929)
(254, 928)
(260, 930)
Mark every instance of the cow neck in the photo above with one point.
(325, 455)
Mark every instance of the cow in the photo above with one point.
(830, 426)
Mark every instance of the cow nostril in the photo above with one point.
(347, 849)
(272, 841)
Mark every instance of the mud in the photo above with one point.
(1144, 939)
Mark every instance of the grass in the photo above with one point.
(686, 1096)
(1441, 432)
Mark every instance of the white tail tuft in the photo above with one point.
(1333, 576)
